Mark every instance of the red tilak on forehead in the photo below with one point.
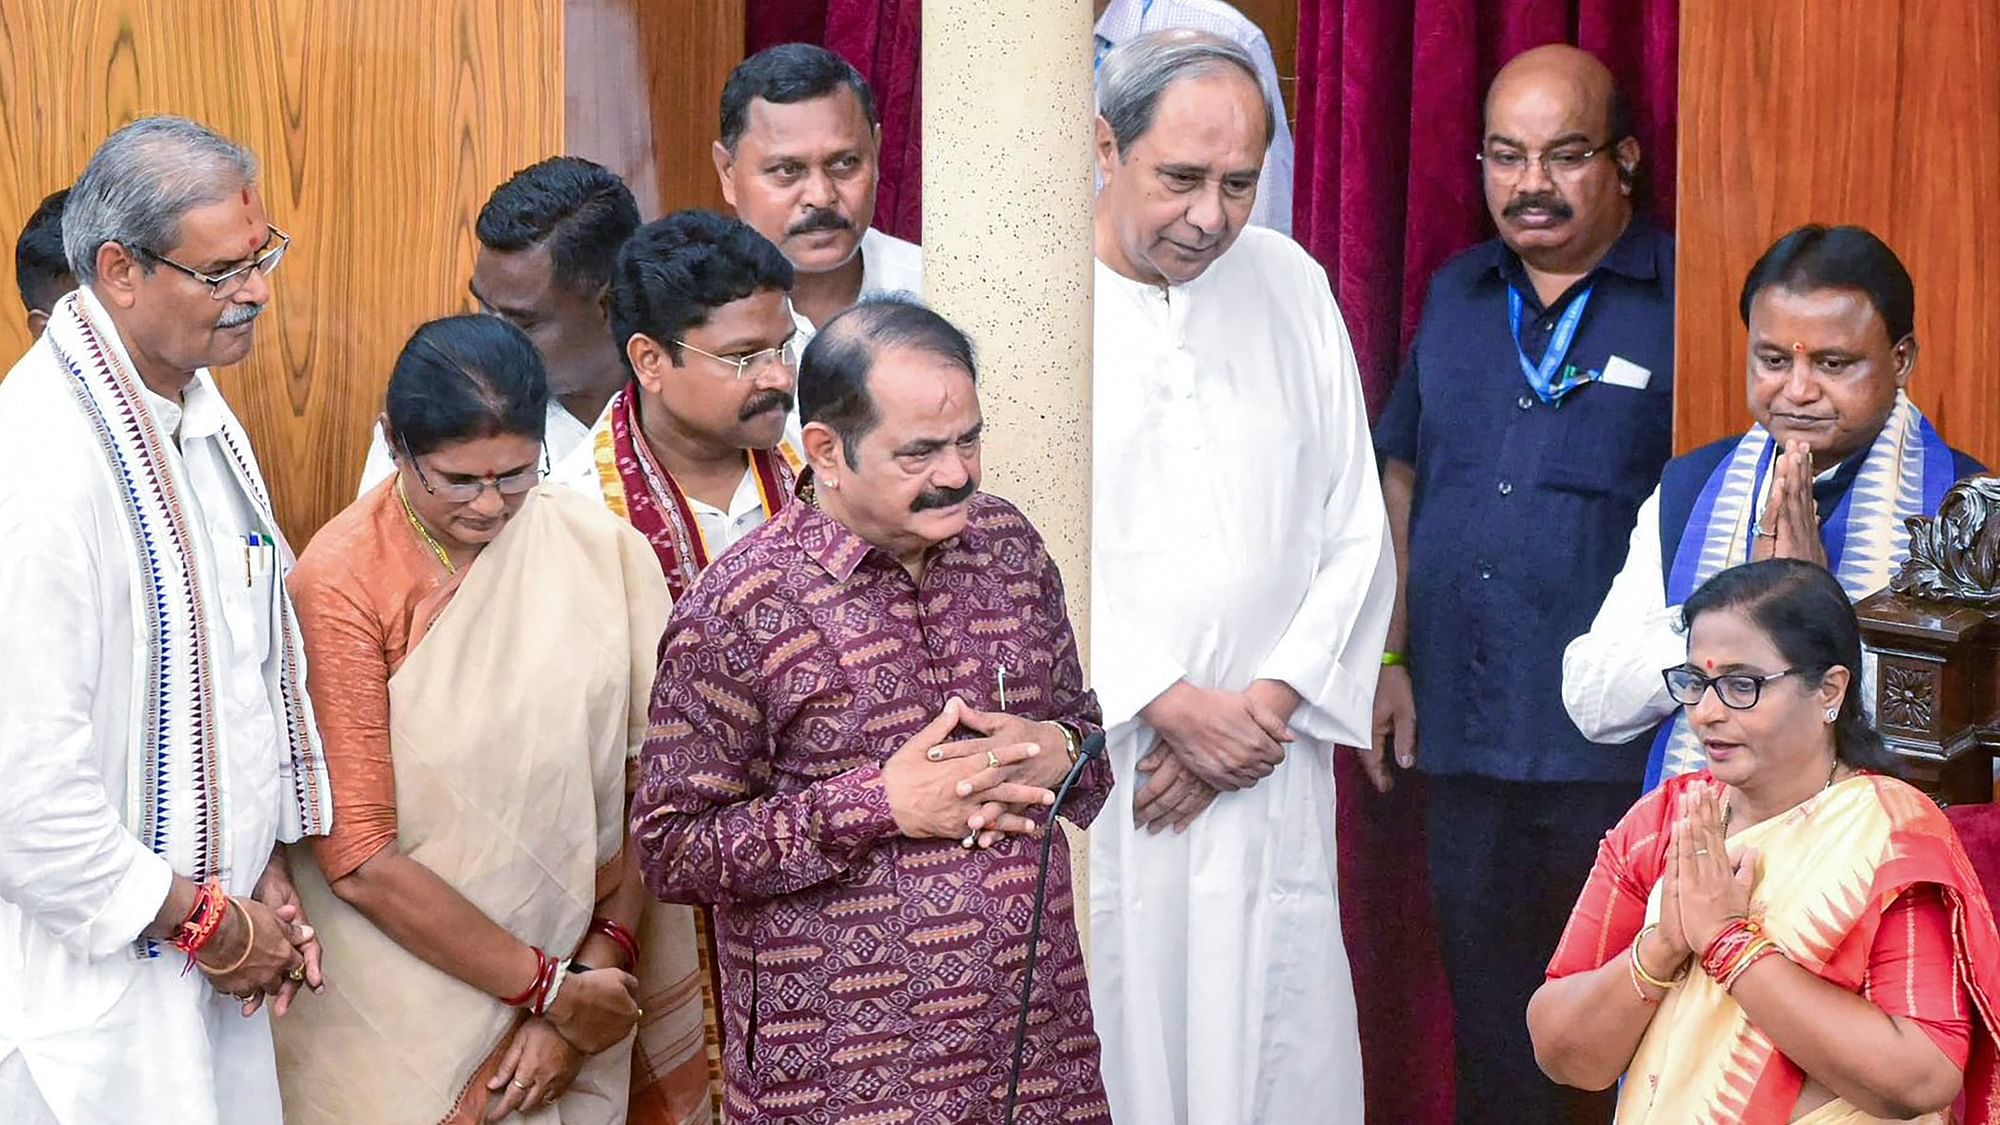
(1710, 664)
(1798, 347)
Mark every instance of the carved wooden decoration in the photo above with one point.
(1935, 634)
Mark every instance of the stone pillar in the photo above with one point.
(1008, 113)
(1007, 244)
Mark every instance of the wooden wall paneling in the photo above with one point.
(381, 127)
(644, 83)
(1280, 21)
(1882, 114)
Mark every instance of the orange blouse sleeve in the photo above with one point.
(1612, 908)
(347, 675)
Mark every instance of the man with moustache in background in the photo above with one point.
(1529, 424)
(798, 160)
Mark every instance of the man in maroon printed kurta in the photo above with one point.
(802, 773)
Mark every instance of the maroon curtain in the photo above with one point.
(1389, 104)
(880, 38)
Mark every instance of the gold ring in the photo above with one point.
(297, 973)
(992, 760)
(522, 1085)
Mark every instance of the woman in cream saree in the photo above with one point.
(482, 650)
(1789, 935)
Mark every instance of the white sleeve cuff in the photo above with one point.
(133, 905)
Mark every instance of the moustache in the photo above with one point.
(931, 498)
(239, 315)
(768, 401)
(819, 219)
(1547, 202)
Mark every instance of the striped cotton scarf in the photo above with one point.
(175, 802)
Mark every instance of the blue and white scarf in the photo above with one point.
(174, 799)
(1904, 474)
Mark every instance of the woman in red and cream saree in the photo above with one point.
(481, 653)
(1784, 937)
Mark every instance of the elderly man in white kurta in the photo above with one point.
(1242, 582)
(154, 736)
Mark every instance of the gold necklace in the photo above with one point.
(423, 532)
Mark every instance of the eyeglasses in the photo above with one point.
(465, 492)
(1507, 164)
(221, 286)
(1738, 691)
(755, 363)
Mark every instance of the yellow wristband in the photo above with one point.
(1393, 659)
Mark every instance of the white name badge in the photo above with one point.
(1622, 372)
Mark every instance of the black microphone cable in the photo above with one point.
(1091, 748)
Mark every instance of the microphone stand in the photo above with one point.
(1091, 748)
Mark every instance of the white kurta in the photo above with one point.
(89, 1032)
(1238, 535)
(888, 265)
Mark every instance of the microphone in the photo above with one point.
(1091, 748)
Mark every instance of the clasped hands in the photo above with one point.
(1209, 742)
(265, 946)
(1788, 526)
(593, 1012)
(981, 788)
(1702, 890)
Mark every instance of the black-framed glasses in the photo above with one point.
(465, 492)
(222, 286)
(1738, 691)
(1507, 164)
(756, 362)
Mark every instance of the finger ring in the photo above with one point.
(1765, 534)
(992, 760)
(1701, 851)
(298, 973)
(521, 1084)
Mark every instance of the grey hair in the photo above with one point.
(1139, 71)
(140, 182)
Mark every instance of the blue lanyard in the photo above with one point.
(1543, 377)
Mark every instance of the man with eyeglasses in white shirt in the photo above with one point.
(696, 451)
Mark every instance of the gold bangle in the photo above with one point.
(1071, 745)
(1639, 965)
(249, 943)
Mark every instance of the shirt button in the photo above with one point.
(1485, 570)
(1525, 403)
(1506, 488)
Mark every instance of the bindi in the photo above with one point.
(1798, 348)
(1709, 664)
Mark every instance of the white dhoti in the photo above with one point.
(1218, 974)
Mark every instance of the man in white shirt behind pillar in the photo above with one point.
(155, 737)
(548, 239)
(1242, 581)
(799, 160)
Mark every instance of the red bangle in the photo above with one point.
(1736, 936)
(543, 965)
(620, 935)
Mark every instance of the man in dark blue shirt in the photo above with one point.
(1530, 423)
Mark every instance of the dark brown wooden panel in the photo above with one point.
(1885, 114)
(381, 124)
(645, 80)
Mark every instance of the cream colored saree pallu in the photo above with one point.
(511, 723)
